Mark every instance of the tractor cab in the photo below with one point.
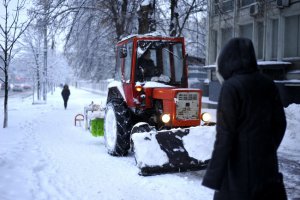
(146, 63)
(155, 59)
(149, 95)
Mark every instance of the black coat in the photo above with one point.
(250, 126)
(65, 93)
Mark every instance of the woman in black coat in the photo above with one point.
(250, 126)
(65, 93)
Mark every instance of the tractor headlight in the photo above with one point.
(206, 117)
(165, 118)
(138, 87)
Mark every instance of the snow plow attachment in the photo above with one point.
(170, 151)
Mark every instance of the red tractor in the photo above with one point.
(151, 86)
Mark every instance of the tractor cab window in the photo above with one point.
(123, 64)
(118, 72)
(127, 62)
(178, 61)
(159, 61)
(147, 66)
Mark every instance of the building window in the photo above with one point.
(246, 2)
(246, 31)
(274, 44)
(292, 36)
(227, 5)
(226, 35)
(260, 40)
(222, 6)
(216, 8)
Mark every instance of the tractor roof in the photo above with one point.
(153, 35)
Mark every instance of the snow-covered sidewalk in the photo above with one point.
(44, 156)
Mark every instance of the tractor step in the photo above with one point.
(171, 151)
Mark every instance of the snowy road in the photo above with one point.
(13, 94)
(43, 156)
(291, 171)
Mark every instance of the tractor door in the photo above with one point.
(126, 73)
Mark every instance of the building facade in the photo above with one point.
(274, 28)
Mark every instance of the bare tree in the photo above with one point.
(146, 16)
(93, 32)
(47, 12)
(32, 53)
(181, 12)
(93, 27)
(32, 44)
(11, 28)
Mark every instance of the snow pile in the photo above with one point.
(200, 141)
(290, 143)
(147, 150)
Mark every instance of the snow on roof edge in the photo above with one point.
(273, 63)
(258, 63)
(152, 34)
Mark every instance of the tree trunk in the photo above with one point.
(38, 90)
(174, 18)
(9, 34)
(146, 18)
(5, 119)
(45, 78)
(143, 19)
(119, 19)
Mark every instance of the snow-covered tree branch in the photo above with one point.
(12, 27)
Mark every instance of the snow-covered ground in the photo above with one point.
(44, 156)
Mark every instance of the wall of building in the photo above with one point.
(274, 30)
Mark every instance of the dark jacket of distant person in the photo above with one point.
(250, 127)
(65, 93)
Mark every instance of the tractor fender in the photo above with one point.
(115, 89)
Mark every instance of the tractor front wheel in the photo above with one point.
(117, 127)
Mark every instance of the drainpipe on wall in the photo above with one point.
(208, 38)
(265, 31)
(235, 16)
(281, 28)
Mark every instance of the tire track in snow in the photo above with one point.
(44, 188)
(60, 185)
(32, 167)
(48, 186)
(19, 168)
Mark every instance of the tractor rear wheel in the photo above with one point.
(117, 127)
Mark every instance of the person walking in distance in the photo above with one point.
(250, 127)
(65, 93)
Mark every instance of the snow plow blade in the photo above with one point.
(171, 151)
